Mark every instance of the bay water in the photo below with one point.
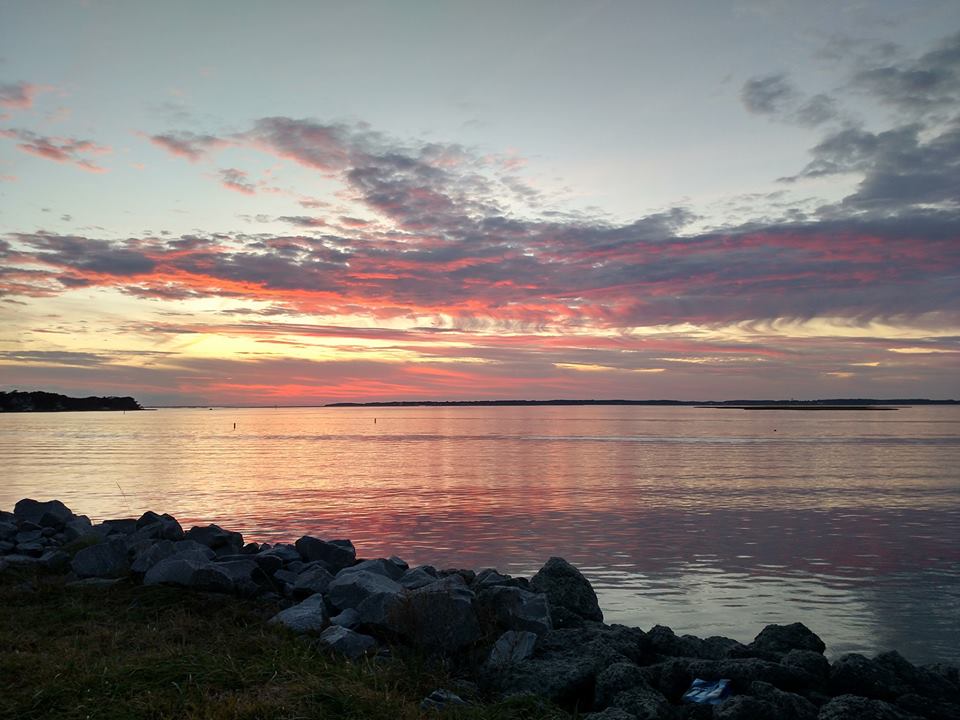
(712, 521)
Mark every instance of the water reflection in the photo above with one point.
(705, 520)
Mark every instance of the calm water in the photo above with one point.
(710, 521)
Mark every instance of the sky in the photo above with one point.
(310, 202)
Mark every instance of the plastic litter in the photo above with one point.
(708, 692)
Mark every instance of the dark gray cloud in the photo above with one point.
(927, 84)
(768, 94)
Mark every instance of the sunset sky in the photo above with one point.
(310, 202)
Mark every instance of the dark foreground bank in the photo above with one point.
(137, 618)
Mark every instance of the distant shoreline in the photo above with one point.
(830, 404)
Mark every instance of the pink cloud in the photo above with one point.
(62, 150)
(19, 96)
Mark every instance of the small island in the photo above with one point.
(38, 401)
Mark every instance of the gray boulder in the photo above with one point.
(645, 703)
(388, 568)
(151, 555)
(516, 609)
(512, 647)
(854, 707)
(353, 588)
(160, 527)
(246, 576)
(440, 616)
(335, 554)
(808, 661)
(419, 576)
(309, 616)
(311, 581)
(77, 528)
(189, 570)
(918, 680)
(788, 706)
(569, 593)
(615, 679)
(284, 551)
(745, 707)
(854, 674)
(194, 548)
(121, 526)
(6, 547)
(222, 542)
(8, 531)
(346, 642)
(349, 618)
(104, 560)
(55, 560)
(51, 513)
(440, 700)
(781, 639)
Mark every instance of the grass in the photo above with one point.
(130, 651)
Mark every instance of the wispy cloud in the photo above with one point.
(63, 150)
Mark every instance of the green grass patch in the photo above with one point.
(130, 651)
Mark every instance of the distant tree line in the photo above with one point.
(39, 401)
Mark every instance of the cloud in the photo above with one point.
(768, 94)
(186, 144)
(19, 96)
(62, 150)
(236, 180)
(925, 85)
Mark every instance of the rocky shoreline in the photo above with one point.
(503, 635)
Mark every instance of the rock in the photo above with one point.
(33, 549)
(151, 555)
(516, 609)
(51, 513)
(919, 681)
(6, 547)
(489, 577)
(645, 703)
(788, 706)
(440, 616)
(77, 528)
(665, 642)
(781, 639)
(285, 552)
(387, 568)
(809, 661)
(566, 589)
(247, 577)
(336, 554)
(744, 707)
(28, 536)
(853, 674)
(55, 560)
(615, 679)
(286, 577)
(353, 588)
(160, 527)
(311, 581)
(193, 548)
(191, 570)
(512, 647)
(346, 642)
(309, 616)
(268, 563)
(564, 667)
(8, 531)
(123, 526)
(928, 708)
(222, 542)
(418, 577)
(349, 618)
(853, 707)
(104, 560)
(440, 700)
